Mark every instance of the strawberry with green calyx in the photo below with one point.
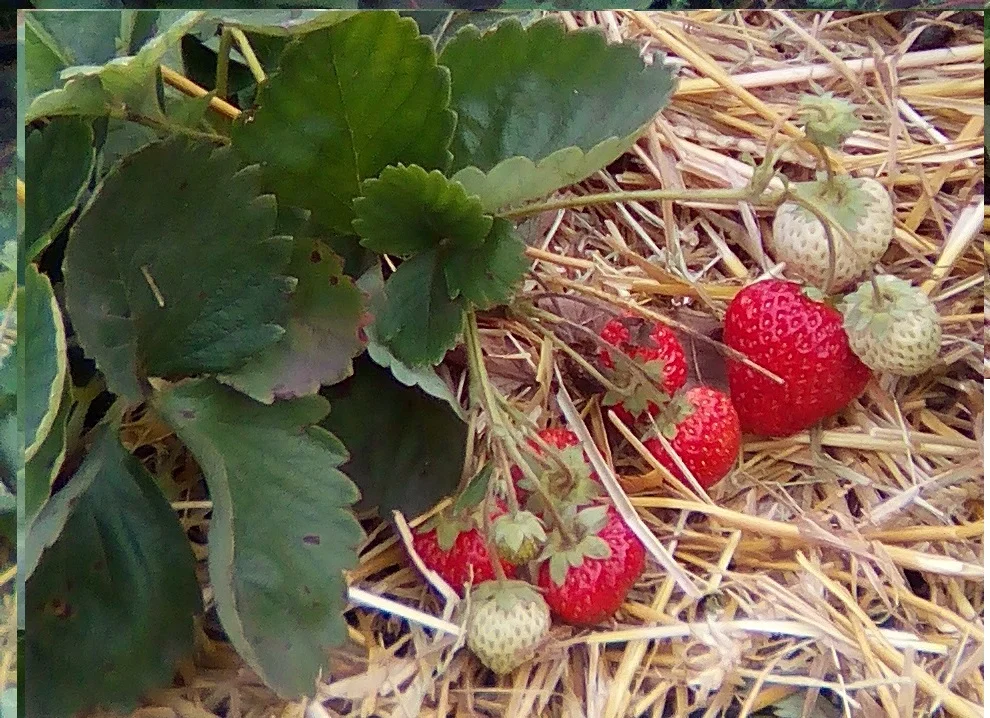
(657, 351)
(861, 206)
(454, 546)
(586, 577)
(892, 326)
(800, 340)
(569, 478)
(518, 537)
(508, 623)
(706, 437)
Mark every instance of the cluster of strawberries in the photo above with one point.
(796, 361)
(558, 531)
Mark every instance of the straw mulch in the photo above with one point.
(840, 573)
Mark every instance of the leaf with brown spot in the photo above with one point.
(113, 592)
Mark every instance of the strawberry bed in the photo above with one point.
(836, 569)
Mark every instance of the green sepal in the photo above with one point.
(505, 594)
(840, 198)
(513, 529)
(827, 120)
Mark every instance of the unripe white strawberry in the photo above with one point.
(863, 208)
(901, 335)
(508, 623)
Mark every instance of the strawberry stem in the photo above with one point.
(502, 429)
(826, 164)
(877, 294)
(829, 224)
(615, 352)
(489, 508)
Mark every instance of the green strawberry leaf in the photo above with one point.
(43, 57)
(418, 321)
(81, 37)
(476, 490)
(182, 280)
(282, 23)
(42, 468)
(59, 162)
(407, 210)
(123, 82)
(45, 353)
(282, 533)
(487, 275)
(539, 108)
(407, 448)
(424, 377)
(345, 103)
(111, 600)
(322, 334)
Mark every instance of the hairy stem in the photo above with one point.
(744, 194)
(500, 426)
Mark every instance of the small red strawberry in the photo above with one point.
(565, 441)
(707, 440)
(653, 346)
(587, 582)
(455, 548)
(776, 325)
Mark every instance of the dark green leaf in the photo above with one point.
(424, 377)
(59, 162)
(181, 280)
(407, 210)
(45, 354)
(111, 602)
(418, 320)
(474, 493)
(322, 333)
(407, 449)
(539, 108)
(121, 139)
(282, 532)
(345, 103)
(487, 275)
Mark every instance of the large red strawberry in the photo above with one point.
(707, 440)
(565, 441)
(653, 346)
(801, 340)
(587, 582)
(455, 548)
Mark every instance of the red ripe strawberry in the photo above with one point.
(586, 583)
(455, 548)
(800, 340)
(707, 441)
(561, 439)
(654, 345)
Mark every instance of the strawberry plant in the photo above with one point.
(230, 277)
